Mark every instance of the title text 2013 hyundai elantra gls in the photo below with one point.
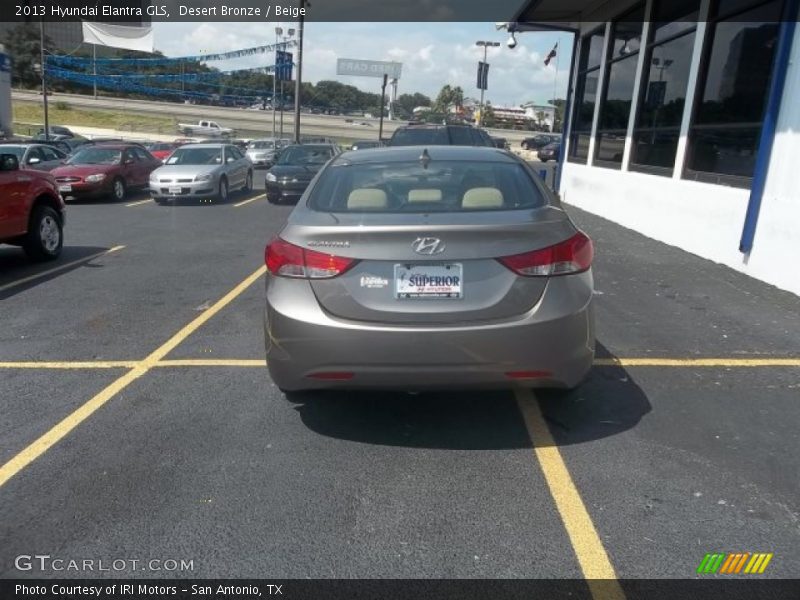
(417, 268)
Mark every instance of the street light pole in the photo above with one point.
(278, 31)
(299, 79)
(44, 81)
(485, 45)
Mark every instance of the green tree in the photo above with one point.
(22, 44)
(488, 119)
(448, 97)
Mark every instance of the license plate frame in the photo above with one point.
(403, 272)
(175, 190)
(64, 187)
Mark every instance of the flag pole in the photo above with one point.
(555, 87)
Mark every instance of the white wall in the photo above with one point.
(707, 219)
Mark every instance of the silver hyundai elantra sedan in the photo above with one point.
(417, 268)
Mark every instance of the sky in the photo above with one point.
(433, 54)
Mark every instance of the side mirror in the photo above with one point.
(9, 162)
(34, 160)
(128, 161)
(230, 159)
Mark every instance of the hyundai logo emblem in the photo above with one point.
(428, 245)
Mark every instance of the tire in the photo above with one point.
(248, 183)
(222, 192)
(45, 236)
(160, 201)
(118, 189)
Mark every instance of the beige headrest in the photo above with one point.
(367, 198)
(425, 195)
(482, 197)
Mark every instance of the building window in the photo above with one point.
(662, 97)
(615, 106)
(724, 136)
(585, 96)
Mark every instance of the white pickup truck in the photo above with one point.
(204, 128)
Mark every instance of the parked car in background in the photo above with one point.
(364, 144)
(499, 142)
(262, 152)
(59, 130)
(457, 270)
(108, 169)
(67, 146)
(549, 152)
(538, 141)
(161, 150)
(32, 212)
(202, 171)
(296, 166)
(440, 135)
(39, 157)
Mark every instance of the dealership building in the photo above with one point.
(683, 123)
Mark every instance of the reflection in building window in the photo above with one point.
(585, 96)
(723, 140)
(665, 79)
(615, 107)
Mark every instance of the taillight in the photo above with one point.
(571, 256)
(287, 260)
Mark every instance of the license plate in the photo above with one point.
(428, 281)
(174, 190)
(64, 188)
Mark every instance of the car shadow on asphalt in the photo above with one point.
(15, 266)
(131, 196)
(608, 403)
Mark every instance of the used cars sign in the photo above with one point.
(369, 68)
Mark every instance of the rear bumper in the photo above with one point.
(555, 338)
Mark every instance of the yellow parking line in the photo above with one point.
(210, 362)
(140, 202)
(257, 362)
(66, 425)
(58, 268)
(249, 200)
(697, 362)
(589, 550)
(95, 364)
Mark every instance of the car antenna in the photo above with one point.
(425, 158)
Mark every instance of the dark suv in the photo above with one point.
(440, 135)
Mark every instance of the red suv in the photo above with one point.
(31, 210)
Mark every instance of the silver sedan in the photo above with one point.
(414, 268)
(202, 171)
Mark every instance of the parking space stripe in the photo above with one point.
(259, 362)
(140, 202)
(211, 362)
(249, 200)
(94, 364)
(78, 261)
(66, 425)
(697, 362)
(589, 550)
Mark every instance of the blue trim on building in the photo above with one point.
(772, 113)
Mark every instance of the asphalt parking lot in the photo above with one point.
(138, 421)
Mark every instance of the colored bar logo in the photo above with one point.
(735, 563)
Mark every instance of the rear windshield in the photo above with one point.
(428, 136)
(261, 145)
(409, 187)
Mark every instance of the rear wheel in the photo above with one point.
(118, 189)
(248, 184)
(45, 236)
(222, 194)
